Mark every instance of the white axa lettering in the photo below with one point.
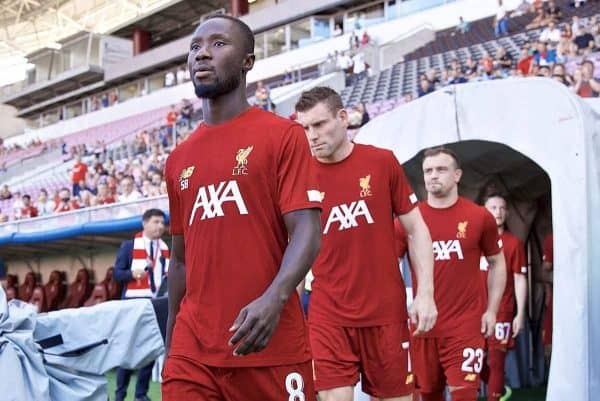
(347, 215)
(211, 200)
(443, 249)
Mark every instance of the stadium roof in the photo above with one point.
(30, 25)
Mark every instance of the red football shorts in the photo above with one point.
(184, 379)
(456, 361)
(502, 338)
(379, 354)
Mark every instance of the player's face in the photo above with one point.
(440, 174)
(325, 131)
(497, 207)
(217, 60)
(154, 227)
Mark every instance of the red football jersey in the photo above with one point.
(460, 234)
(514, 255)
(30, 211)
(400, 240)
(357, 281)
(229, 186)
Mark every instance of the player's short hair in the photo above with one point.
(247, 33)
(148, 214)
(442, 150)
(320, 94)
(495, 194)
(26, 196)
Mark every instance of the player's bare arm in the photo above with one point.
(521, 297)
(496, 283)
(176, 284)
(258, 320)
(423, 312)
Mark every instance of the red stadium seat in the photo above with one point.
(99, 294)
(38, 298)
(55, 290)
(26, 289)
(112, 286)
(79, 291)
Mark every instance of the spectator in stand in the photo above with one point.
(576, 3)
(487, 63)
(470, 69)
(554, 12)
(171, 119)
(543, 55)
(78, 173)
(337, 31)
(169, 79)
(455, 76)
(28, 210)
(408, 97)
(187, 108)
(540, 20)
(585, 83)
(354, 42)
(104, 196)
(5, 193)
(65, 201)
(504, 61)
(563, 50)
(425, 87)
(128, 191)
(17, 204)
(584, 41)
(365, 39)
(105, 100)
(566, 32)
(560, 74)
(525, 62)
(359, 67)
(44, 205)
(575, 24)
(261, 95)
(544, 71)
(113, 97)
(86, 199)
(551, 33)
(3, 217)
(501, 20)
(431, 76)
(463, 26)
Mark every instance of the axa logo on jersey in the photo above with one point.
(348, 215)
(210, 199)
(443, 250)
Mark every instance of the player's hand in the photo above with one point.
(423, 314)
(517, 325)
(255, 325)
(488, 323)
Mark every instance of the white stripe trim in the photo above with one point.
(139, 293)
(313, 195)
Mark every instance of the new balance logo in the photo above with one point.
(347, 215)
(211, 200)
(443, 249)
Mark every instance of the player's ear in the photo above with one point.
(248, 62)
(342, 115)
(457, 175)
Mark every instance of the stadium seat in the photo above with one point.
(79, 291)
(26, 289)
(55, 290)
(38, 298)
(113, 287)
(99, 294)
(11, 293)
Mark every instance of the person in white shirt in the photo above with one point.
(169, 78)
(551, 33)
(44, 205)
(359, 65)
(128, 191)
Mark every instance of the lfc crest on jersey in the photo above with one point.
(365, 186)
(184, 177)
(241, 158)
(461, 230)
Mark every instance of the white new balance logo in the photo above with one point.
(211, 200)
(347, 215)
(443, 249)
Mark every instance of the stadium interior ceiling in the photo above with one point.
(31, 25)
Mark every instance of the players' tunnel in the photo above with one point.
(539, 122)
(494, 167)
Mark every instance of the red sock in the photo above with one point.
(495, 360)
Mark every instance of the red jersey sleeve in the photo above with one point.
(403, 197)
(520, 261)
(490, 242)
(175, 225)
(296, 177)
(548, 249)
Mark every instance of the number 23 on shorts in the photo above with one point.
(473, 362)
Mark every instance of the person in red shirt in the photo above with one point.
(171, 119)
(244, 208)
(104, 196)
(358, 315)
(78, 174)
(508, 325)
(28, 210)
(64, 202)
(452, 353)
(524, 63)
